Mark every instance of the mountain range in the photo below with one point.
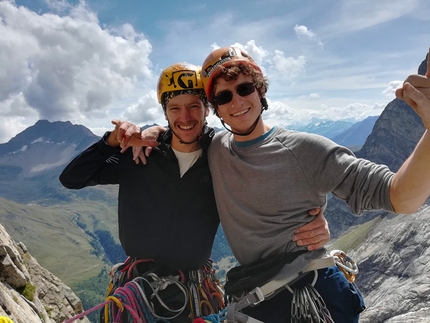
(392, 250)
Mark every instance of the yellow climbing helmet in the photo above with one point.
(179, 78)
(4, 319)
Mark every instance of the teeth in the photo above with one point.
(186, 127)
(240, 113)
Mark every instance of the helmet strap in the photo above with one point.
(264, 106)
(239, 133)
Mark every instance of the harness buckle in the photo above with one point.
(259, 295)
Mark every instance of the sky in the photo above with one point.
(89, 62)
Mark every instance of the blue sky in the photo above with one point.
(94, 61)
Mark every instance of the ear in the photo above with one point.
(165, 116)
(207, 110)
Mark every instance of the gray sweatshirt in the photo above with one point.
(264, 188)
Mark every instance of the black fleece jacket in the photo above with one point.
(161, 216)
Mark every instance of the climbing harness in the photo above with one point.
(307, 304)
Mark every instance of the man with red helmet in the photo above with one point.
(266, 178)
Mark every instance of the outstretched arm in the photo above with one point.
(315, 234)
(410, 186)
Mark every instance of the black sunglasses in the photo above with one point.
(226, 96)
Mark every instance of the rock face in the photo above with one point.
(393, 273)
(46, 300)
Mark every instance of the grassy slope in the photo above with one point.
(53, 238)
(352, 239)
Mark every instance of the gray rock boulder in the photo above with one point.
(28, 292)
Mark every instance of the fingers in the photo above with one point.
(418, 81)
(138, 155)
(313, 239)
(399, 93)
(129, 131)
(142, 158)
(126, 131)
(137, 142)
(419, 102)
(152, 133)
(315, 223)
(148, 151)
(314, 234)
(314, 244)
(414, 96)
(314, 211)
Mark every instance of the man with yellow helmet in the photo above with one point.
(166, 209)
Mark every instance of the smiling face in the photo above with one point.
(242, 111)
(186, 115)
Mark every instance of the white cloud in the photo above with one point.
(303, 32)
(66, 68)
(392, 87)
(287, 67)
(354, 15)
(58, 5)
(311, 96)
(10, 126)
(146, 110)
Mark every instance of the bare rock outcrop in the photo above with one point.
(28, 292)
(393, 262)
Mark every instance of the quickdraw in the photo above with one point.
(345, 264)
(308, 306)
(206, 293)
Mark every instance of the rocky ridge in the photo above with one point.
(393, 274)
(46, 300)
